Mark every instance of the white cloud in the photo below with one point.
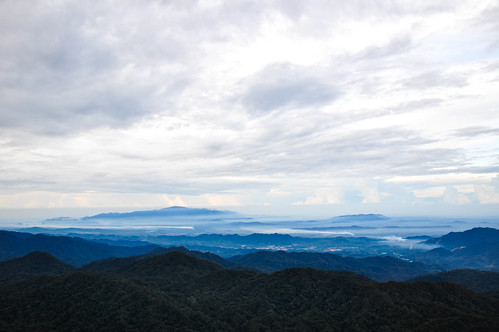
(273, 192)
(486, 194)
(370, 192)
(222, 200)
(452, 196)
(323, 197)
(177, 201)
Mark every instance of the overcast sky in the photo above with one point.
(267, 106)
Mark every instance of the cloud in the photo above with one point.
(286, 85)
(177, 201)
(222, 200)
(487, 20)
(395, 46)
(433, 79)
(452, 196)
(277, 193)
(56, 200)
(370, 192)
(476, 131)
(280, 100)
(69, 67)
(486, 194)
(323, 197)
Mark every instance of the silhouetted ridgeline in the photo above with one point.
(71, 250)
(476, 248)
(177, 291)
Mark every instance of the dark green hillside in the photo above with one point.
(175, 291)
(172, 265)
(91, 302)
(309, 299)
(35, 263)
(479, 281)
(207, 256)
(113, 264)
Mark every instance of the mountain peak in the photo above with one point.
(34, 263)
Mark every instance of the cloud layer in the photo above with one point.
(391, 105)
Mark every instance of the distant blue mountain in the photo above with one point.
(174, 211)
(361, 217)
(475, 248)
(475, 236)
(75, 251)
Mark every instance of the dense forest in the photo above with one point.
(175, 291)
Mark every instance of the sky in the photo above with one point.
(318, 107)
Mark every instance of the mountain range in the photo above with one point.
(75, 251)
(466, 253)
(476, 248)
(68, 283)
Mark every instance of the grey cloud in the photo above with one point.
(476, 131)
(282, 85)
(434, 79)
(364, 114)
(394, 47)
(489, 21)
(377, 152)
(70, 67)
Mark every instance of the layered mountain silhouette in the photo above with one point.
(380, 268)
(476, 248)
(472, 237)
(70, 250)
(175, 291)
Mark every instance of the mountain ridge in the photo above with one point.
(173, 211)
(75, 251)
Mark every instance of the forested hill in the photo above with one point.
(176, 291)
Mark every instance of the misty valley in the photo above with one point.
(205, 270)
